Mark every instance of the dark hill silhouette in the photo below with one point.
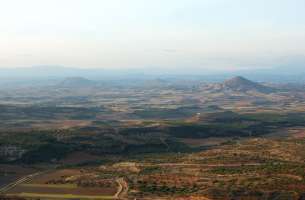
(242, 84)
(77, 82)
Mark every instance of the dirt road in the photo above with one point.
(122, 189)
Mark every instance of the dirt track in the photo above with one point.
(201, 165)
(122, 189)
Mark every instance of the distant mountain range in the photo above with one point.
(235, 84)
(281, 74)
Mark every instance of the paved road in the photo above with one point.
(120, 194)
(22, 180)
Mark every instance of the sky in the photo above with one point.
(172, 34)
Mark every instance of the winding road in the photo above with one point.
(122, 189)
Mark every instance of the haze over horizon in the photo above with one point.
(173, 34)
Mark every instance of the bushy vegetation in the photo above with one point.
(230, 124)
(100, 139)
(46, 153)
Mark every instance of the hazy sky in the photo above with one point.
(217, 34)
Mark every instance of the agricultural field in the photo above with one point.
(10, 172)
(66, 184)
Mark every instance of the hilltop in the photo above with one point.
(77, 82)
(242, 84)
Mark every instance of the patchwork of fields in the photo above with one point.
(235, 140)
